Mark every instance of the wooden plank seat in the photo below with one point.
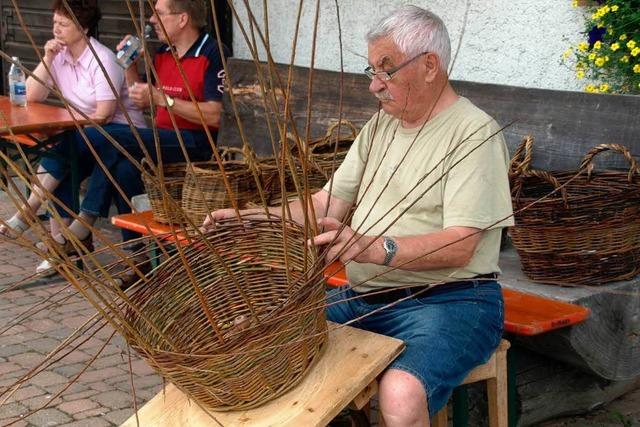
(345, 372)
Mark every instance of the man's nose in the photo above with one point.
(376, 85)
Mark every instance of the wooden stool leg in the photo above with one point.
(441, 418)
(497, 393)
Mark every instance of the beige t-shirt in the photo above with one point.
(418, 181)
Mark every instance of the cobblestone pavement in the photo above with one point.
(102, 396)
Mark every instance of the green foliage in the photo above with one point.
(624, 421)
(609, 56)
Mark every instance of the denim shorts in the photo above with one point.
(447, 331)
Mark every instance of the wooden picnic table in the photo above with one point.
(36, 117)
(31, 126)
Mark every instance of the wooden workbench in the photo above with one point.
(350, 363)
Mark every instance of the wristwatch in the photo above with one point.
(170, 101)
(390, 247)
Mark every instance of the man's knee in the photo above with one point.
(403, 401)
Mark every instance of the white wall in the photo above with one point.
(514, 42)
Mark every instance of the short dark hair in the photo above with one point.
(86, 12)
(194, 8)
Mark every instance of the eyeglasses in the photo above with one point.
(161, 14)
(385, 76)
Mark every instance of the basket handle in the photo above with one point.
(333, 127)
(249, 156)
(520, 163)
(146, 167)
(545, 176)
(587, 160)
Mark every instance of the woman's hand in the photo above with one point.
(51, 49)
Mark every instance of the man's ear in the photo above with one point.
(184, 20)
(432, 66)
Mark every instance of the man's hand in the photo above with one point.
(139, 94)
(121, 45)
(346, 243)
(51, 49)
(211, 219)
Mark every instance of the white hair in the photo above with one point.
(414, 30)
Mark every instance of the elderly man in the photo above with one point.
(428, 178)
(201, 61)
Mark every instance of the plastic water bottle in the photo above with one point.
(17, 84)
(131, 49)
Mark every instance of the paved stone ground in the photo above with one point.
(102, 396)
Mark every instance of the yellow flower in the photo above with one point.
(636, 68)
(635, 51)
(595, 16)
(615, 46)
(606, 9)
(624, 59)
(583, 46)
(592, 56)
(597, 45)
(580, 74)
(567, 53)
(631, 44)
(606, 59)
(600, 25)
(574, 3)
(622, 37)
(604, 87)
(590, 88)
(599, 62)
(615, 8)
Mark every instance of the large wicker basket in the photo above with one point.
(244, 326)
(576, 228)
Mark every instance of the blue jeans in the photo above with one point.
(447, 331)
(101, 190)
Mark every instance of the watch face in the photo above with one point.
(390, 245)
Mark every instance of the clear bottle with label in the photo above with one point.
(17, 84)
(131, 49)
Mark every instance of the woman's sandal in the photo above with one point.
(67, 248)
(13, 227)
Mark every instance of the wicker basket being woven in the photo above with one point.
(576, 228)
(244, 327)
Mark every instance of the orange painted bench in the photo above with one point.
(525, 314)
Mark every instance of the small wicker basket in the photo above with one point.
(165, 191)
(205, 191)
(187, 325)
